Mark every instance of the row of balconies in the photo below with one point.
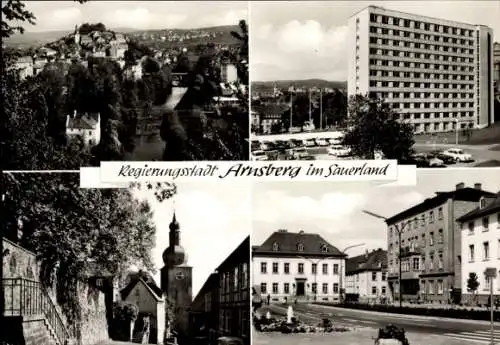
(415, 89)
(397, 79)
(428, 99)
(415, 59)
(422, 31)
(415, 69)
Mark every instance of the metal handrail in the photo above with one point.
(24, 296)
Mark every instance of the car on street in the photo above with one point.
(299, 153)
(322, 142)
(259, 155)
(338, 151)
(430, 160)
(458, 155)
(445, 158)
(310, 143)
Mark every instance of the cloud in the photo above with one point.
(174, 20)
(134, 18)
(409, 199)
(274, 206)
(306, 48)
(231, 17)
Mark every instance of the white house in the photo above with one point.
(481, 247)
(229, 73)
(87, 126)
(297, 266)
(366, 276)
(149, 300)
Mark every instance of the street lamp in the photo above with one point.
(342, 269)
(315, 262)
(456, 131)
(399, 230)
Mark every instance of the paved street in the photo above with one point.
(480, 153)
(461, 330)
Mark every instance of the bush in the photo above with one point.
(125, 311)
(480, 315)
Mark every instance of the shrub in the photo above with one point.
(125, 311)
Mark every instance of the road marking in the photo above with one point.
(483, 337)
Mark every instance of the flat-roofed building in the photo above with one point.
(436, 74)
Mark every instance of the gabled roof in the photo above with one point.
(492, 206)
(372, 261)
(288, 244)
(83, 121)
(151, 287)
(271, 109)
(462, 194)
(242, 252)
(210, 284)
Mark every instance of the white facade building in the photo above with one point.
(87, 126)
(437, 74)
(297, 266)
(229, 73)
(481, 247)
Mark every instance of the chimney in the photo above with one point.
(477, 186)
(460, 185)
(301, 232)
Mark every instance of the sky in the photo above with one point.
(214, 219)
(64, 15)
(303, 40)
(334, 210)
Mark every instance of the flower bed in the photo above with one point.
(274, 325)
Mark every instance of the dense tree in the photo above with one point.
(87, 28)
(300, 113)
(373, 126)
(242, 58)
(107, 228)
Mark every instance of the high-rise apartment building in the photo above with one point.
(437, 74)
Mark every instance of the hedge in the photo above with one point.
(471, 314)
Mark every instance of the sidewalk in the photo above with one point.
(408, 316)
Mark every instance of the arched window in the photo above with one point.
(324, 248)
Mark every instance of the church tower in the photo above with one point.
(176, 278)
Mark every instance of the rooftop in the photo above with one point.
(83, 121)
(284, 243)
(370, 261)
(492, 205)
(461, 193)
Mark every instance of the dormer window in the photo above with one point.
(300, 247)
(324, 248)
(276, 246)
(482, 203)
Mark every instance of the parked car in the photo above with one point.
(458, 155)
(310, 143)
(445, 158)
(259, 155)
(299, 152)
(265, 146)
(322, 142)
(297, 143)
(431, 160)
(338, 151)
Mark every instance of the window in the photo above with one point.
(335, 288)
(275, 288)
(286, 288)
(286, 268)
(471, 227)
(374, 276)
(335, 268)
(431, 287)
(325, 288)
(383, 290)
(486, 250)
(440, 260)
(431, 213)
(276, 246)
(431, 238)
(314, 287)
(263, 267)
(325, 268)
(486, 223)
(300, 247)
(440, 236)
(416, 264)
(471, 253)
(374, 290)
(440, 213)
(275, 267)
(431, 263)
(487, 283)
(263, 287)
(384, 276)
(314, 268)
(440, 287)
(246, 277)
(300, 268)
(324, 248)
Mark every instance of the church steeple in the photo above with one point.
(174, 255)
(174, 235)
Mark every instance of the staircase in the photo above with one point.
(29, 306)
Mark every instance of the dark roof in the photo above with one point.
(492, 206)
(147, 279)
(271, 109)
(288, 245)
(83, 121)
(210, 284)
(242, 252)
(372, 261)
(462, 194)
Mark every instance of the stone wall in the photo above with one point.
(18, 262)
(94, 327)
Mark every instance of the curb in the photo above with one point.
(415, 317)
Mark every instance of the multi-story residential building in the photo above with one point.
(270, 116)
(437, 74)
(496, 79)
(84, 125)
(234, 293)
(366, 276)
(205, 310)
(430, 238)
(481, 247)
(297, 266)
